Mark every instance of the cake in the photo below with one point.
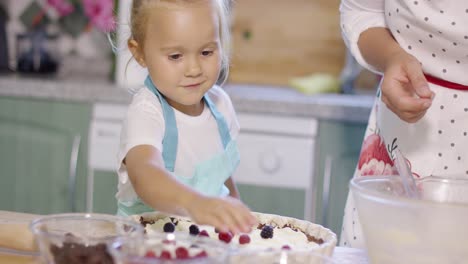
(273, 232)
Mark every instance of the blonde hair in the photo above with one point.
(139, 19)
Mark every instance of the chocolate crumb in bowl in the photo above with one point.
(78, 253)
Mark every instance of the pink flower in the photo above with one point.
(63, 7)
(377, 167)
(100, 13)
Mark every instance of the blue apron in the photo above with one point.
(209, 175)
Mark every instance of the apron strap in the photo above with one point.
(171, 135)
(222, 125)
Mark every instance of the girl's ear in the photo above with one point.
(136, 51)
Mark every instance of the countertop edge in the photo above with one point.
(246, 98)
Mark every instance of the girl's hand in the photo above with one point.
(226, 214)
(404, 88)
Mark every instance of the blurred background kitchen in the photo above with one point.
(302, 101)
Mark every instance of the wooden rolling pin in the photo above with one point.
(15, 233)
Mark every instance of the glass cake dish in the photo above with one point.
(168, 248)
(273, 232)
(398, 229)
(279, 257)
(80, 238)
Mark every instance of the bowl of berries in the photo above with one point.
(167, 248)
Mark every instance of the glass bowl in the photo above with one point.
(168, 248)
(80, 238)
(427, 230)
(278, 256)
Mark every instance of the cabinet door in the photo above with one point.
(338, 148)
(105, 187)
(43, 163)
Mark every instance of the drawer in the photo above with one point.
(288, 126)
(274, 160)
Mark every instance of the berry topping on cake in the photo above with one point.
(165, 255)
(169, 227)
(267, 232)
(286, 247)
(193, 229)
(202, 254)
(204, 233)
(150, 254)
(182, 253)
(225, 236)
(244, 239)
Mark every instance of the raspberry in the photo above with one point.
(194, 230)
(150, 254)
(202, 254)
(267, 232)
(165, 255)
(181, 253)
(204, 233)
(244, 239)
(286, 247)
(169, 227)
(226, 237)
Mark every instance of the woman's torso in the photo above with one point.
(435, 32)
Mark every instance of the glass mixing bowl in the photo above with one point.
(168, 248)
(80, 238)
(398, 229)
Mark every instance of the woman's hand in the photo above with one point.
(224, 213)
(404, 88)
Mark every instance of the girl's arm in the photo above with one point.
(154, 184)
(231, 185)
(158, 189)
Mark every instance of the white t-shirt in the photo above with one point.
(198, 140)
(435, 32)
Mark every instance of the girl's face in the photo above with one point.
(182, 52)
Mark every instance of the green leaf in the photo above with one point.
(33, 16)
(75, 22)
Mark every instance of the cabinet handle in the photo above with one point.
(270, 162)
(326, 188)
(72, 172)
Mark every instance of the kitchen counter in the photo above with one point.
(246, 98)
(341, 255)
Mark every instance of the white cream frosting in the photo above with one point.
(296, 240)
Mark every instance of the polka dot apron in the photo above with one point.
(438, 143)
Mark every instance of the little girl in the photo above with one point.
(178, 149)
(421, 47)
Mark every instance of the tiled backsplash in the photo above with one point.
(90, 47)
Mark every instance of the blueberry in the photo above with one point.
(169, 227)
(194, 230)
(267, 232)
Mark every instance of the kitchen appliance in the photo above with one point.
(398, 229)
(3, 40)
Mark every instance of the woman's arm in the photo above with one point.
(404, 88)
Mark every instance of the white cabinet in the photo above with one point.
(277, 153)
(104, 138)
